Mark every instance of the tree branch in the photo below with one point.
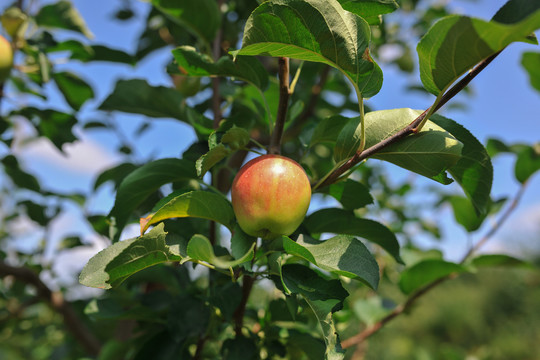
(412, 128)
(284, 94)
(57, 303)
(367, 332)
(241, 309)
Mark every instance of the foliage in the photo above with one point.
(248, 79)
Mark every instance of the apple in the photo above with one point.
(6, 58)
(270, 196)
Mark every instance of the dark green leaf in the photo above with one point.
(111, 266)
(341, 255)
(531, 63)
(339, 221)
(527, 163)
(323, 296)
(52, 124)
(495, 147)
(199, 204)
(201, 17)
(142, 182)
(75, 90)
(328, 129)
(62, 15)
(246, 68)
(19, 177)
(514, 11)
(86, 53)
(350, 193)
(314, 30)
(136, 96)
(239, 348)
(115, 174)
(474, 39)
(473, 171)
(426, 272)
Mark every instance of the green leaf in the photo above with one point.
(466, 214)
(136, 96)
(52, 124)
(348, 140)
(527, 163)
(211, 158)
(340, 221)
(201, 17)
(199, 204)
(236, 138)
(246, 68)
(425, 272)
(328, 129)
(495, 147)
(341, 255)
(115, 174)
(350, 193)
(456, 43)
(200, 248)
(111, 266)
(474, 171)
(531, 63)
(75, 90)
(370, 310)
(62, 15)
(514, 11)
(370, 9)
(86, 53)
(314, 30)
(429, 153)
(140, 183)
(493, 260)
(323, 296)
(19, 177)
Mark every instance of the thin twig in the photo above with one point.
(309, 110)
(57, 302)
(412, 127)
(369, 331)
(284, 94)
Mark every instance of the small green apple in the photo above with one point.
(270, 196)
(6, 58)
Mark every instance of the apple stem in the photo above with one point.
(284, 94)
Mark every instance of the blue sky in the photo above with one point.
(504, 106)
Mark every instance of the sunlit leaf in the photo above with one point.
(430, 152)
(111, 266)
(142, 182)
(314, 30)
(199, 204)
(474, 171)
(456, 43)
(340, 255)
(339, 221)
(370, 10)
(531, 63)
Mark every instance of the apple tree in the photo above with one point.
(229, 263)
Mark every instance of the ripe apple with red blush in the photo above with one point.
(270, 196)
